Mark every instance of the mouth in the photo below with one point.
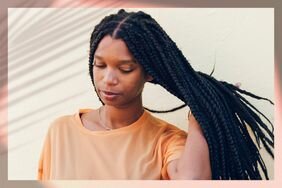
(109, 95)
(109, 92)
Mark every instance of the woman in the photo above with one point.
(121, 140)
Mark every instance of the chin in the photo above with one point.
(112, 103)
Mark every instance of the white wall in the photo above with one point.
(48, 66)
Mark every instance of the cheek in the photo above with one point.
(96, 75)
(135, 83)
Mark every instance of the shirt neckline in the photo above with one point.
(128, 128)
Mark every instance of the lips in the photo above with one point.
(109, 95)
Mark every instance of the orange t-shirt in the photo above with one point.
(139, 151)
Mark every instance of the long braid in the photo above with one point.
(255, 118)
(222, 112)
(159, 53)
(217, 127)
(243, 127)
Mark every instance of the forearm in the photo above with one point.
(194, 162)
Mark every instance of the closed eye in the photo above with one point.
(126, 68)
(99, 64)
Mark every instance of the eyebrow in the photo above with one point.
(120, 61)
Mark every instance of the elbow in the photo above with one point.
(193, 177)
(203, 175)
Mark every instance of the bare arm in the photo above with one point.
(194, 162)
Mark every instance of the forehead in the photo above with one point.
(113, 48)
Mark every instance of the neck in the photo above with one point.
(117, 117)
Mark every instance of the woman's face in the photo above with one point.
(118, 78)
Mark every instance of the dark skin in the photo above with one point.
(116, 71)
(119, 82)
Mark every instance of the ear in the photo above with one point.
(149, 78)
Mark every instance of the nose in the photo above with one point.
(110, 77)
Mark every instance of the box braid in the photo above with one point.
(222, 112)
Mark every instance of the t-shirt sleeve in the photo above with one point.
(43, 172)
(173, 145)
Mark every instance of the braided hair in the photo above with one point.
(222, 112)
